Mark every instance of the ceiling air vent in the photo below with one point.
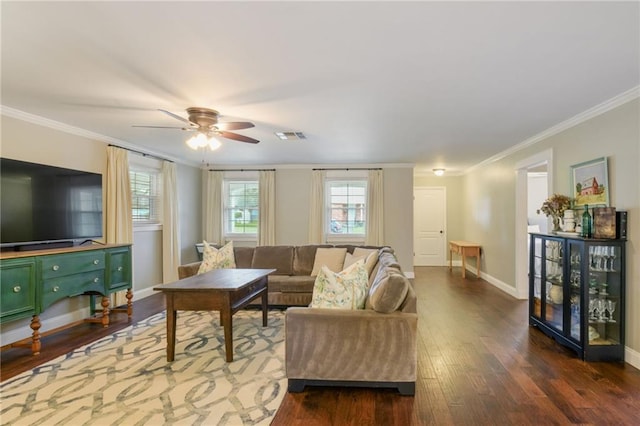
(288, 136)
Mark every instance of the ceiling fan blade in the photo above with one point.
(237, 125)
(177, 117)
(237, 137)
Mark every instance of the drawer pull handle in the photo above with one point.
(96, 279)
(55, 267)
(119, 268)
(17, 289)
(56, 288)
(95, 262)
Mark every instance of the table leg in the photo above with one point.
(171, 329)
(464, 263)
(450, 259)
(265, 307)
(477, 263)
(225, 314)
(105, 311)
(35, 337)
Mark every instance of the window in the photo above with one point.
(241, 208)
(145, 196)
(346, 207)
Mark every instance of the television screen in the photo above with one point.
(41, 203)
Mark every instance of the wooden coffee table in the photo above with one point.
(224, 290)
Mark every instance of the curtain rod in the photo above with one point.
(144, 154)
(242, 170)
(354, 168)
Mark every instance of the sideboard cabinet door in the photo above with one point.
(17, 288)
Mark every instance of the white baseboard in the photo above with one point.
(632, 357)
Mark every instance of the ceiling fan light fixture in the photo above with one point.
(438, 172)
(199, 140)
(214, 143)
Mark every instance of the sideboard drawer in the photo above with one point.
(67, 264)
(17, 288)
(58, 288)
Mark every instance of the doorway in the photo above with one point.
(527, 194)
(429, 226)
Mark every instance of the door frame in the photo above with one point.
(522, 258)
(444, 225)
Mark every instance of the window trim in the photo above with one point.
(342, 177)
(235, 177)
(153, 167)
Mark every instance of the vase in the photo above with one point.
(556, 224)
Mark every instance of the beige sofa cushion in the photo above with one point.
(370, 259)
(244, 257)
(304, 257)
(279, 258)
(388, 291)
(332, 258)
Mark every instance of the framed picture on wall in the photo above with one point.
(590, 183)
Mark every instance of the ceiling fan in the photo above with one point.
(204, 121)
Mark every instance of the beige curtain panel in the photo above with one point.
(212, 203)
(375, 207)
(170, 247)
(316, 213)
(267, 203)
(119, 223)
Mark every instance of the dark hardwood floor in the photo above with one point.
(15, 360)
(479, 363)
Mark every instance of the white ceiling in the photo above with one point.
(438, 84)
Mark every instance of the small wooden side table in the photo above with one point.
(464, 249)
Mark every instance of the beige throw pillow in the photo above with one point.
(369, 259)
(332, 258)
(213, 258)
(341, 290)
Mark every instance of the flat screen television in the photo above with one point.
(43, 206)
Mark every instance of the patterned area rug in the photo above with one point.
(125, 379)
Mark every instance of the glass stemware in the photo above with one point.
(592, 312)
(600, 308)
(611, 307)
(612, 257)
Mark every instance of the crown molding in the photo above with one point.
(597, 110)
(77, 131)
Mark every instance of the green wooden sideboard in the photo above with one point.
(31, 281)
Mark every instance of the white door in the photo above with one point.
(429, 217)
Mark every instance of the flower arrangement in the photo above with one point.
(555, 207)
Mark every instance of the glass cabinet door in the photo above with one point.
(575, 290)
(536, 278)
(604, 291)
(554, 284)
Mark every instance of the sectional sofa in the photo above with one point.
(371, 347)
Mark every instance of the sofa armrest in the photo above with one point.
(350, 345)
(188, 270)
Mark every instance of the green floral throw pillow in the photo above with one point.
(213, 258)
(342, 290)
